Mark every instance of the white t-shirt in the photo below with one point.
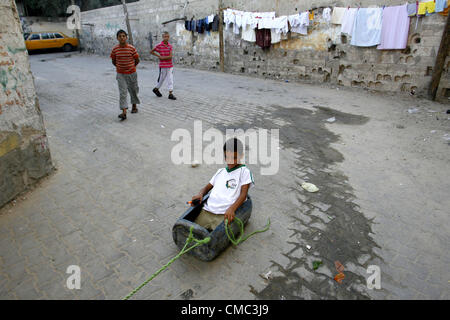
(248, 33)
(299, 22)
(227, 188)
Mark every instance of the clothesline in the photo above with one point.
(386, 27)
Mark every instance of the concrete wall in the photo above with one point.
(321, 57)
(24, 152)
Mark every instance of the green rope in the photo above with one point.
(183, 251)
(199, 243)
(241, 226)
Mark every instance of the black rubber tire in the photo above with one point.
(67, 47)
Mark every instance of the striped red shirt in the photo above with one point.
(125, 58)
(164, 51)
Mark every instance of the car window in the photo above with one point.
(58, 36)
(51, 35)
(45, 36)
(34, 37)
(26, 35)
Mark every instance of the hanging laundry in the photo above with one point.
(263, 19)
(187, 25)
(294, 22)
(299, 22)
(280, 24)
(263, 38)
(210, 18)
(215, 23)
(440, 5)
(208, 26)
(201, 24)
(248, 33)
(275, 36)
(338, 14)
(445, 12)
(326, 14)
(367, 27)
(311, 16)
(228, 18)
(347, 20)
(412, 9)
(426, 7)
(265, 22)
(247, 19)
(395, 28)
(238, 21)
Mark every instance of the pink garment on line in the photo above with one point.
(395, 28)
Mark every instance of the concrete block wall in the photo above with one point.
(323, 56)
(24, 151)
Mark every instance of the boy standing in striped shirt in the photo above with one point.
(164, 52)
(125, 58)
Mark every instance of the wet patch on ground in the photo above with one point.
(328, 226)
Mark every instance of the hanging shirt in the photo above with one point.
(338, 14)
(294, 21)
(228, 18)
(395, 28)
(299, 22)
(440, 5)
(237, 21)
(367, 27)
(445, 12)
(210, 18)
(412, 9)
(248, 33)
(264, 19)
(275, 36)
(227, 188)
(265, 23)
(348, 19)
(247, 19)
(326, 14)
(215, 23)
(238, 15)
(280, 24)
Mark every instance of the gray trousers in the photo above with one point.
(127, 82)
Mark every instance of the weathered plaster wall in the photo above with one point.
(24, 152)
(324, 56)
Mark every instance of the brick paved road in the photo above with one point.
(111, 210)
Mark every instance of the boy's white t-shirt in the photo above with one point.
(227, 188)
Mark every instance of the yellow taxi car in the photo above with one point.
(49, 40)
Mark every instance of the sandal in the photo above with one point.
(122, 116)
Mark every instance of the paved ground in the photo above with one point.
(109, 208)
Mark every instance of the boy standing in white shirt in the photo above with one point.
(229, 188)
